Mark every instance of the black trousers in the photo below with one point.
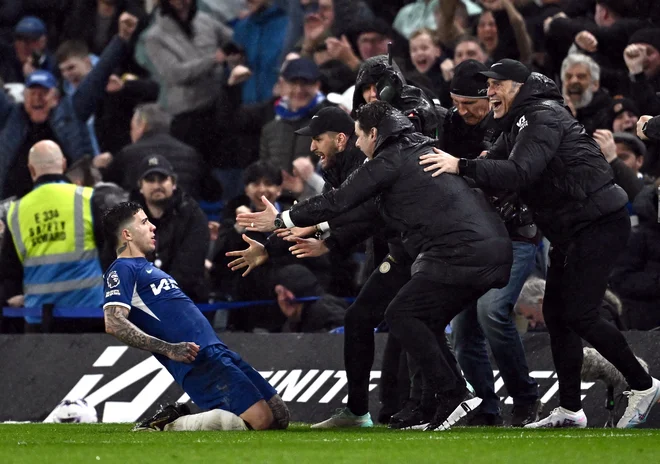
(420, 309)
(366, 312)
(576, 282)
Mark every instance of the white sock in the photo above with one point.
(216, 419)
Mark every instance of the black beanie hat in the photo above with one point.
(468, 82)
(650, 36)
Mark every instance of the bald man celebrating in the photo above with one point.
(49, 254)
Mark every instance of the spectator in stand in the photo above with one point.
(427, 57)
(529, 307)
(467, 48)
(312, 22)
(94, 22)
(150, 135)
(44, 116)
(502, 31)
(185, 48)
(636, 276)
(589, 103)
(261, 179)
(301, 100)
(625, 115)
(182, 234)
(643, 61)
(322, 315)
(28, 52)
(50, 251)
(261, 35)
(415, 16)
(109, 127)
(612, 25)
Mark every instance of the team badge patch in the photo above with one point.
(385, 267)
(112, 280)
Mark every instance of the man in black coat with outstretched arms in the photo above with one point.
(561, 174)
(460, 244)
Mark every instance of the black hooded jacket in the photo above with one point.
(451, 229)
(546, 155)
(407, 99)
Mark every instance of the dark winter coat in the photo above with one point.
(636, 277)
(546, 155)
(182, 241)
(185, 160)
(450, 228)
(596, 115)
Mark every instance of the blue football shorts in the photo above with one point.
(221, 379)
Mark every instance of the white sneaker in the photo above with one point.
(344, 418)
(560, 417)
(640, 403)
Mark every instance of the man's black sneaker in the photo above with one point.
(524, 414)
(484, 419)
(411, 417)
(165, 415)
(451, 409)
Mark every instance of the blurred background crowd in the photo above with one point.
(190, 107)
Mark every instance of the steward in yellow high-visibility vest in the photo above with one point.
(52, 230)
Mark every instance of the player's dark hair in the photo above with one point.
(262, 170)
(116, 218)
(370, 115)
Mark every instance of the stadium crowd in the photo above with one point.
(201, 111)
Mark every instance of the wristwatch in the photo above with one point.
(279, 222)
(462, 165)
(644, 126)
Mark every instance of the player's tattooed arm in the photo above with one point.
(117, 324)
(281, 413)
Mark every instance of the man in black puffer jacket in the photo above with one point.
(546, 155)
(460, 252)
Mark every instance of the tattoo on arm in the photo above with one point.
(122, 248)
(280, 412)
(117, 324)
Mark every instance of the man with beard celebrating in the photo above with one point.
(590, 104)
(182, 235)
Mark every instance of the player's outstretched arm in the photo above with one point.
(117, 324)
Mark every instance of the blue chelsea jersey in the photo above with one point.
(158, 307)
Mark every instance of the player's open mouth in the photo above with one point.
(421, 63)
(496, 104)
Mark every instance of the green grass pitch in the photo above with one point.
(113, 443)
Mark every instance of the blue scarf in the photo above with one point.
(282, 110)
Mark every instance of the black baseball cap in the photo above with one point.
(156, 164)
(468, 80)
(330, 119)
(508, 70)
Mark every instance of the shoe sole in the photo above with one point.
(353, 426)
(460, 412)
